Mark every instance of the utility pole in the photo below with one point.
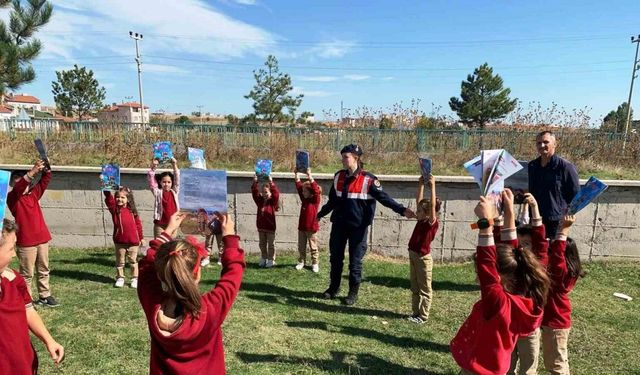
(199, 112)
(136, 37)
(636, 66)
(341, 112)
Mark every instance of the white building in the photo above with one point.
(28, 102)
(125, 112)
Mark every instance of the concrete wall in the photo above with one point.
(75, 212)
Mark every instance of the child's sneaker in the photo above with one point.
(315, 268)
(204, 262)
(134, 283)
(119, 282)
(48, 302)
(263, 262)
(270, 263)
(300, 266)
(417, 320)
(219, 262)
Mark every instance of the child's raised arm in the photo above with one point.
(151, 176)
(420, 193)
(275, 193)
(508, 234)
(175, 186)
(557, 262)
(109, 200)
(539, 243)
(255, 192)
(432, 187)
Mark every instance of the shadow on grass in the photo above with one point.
(401, 342)
(82, 276)
(360, 363)
(306, 299)
(403, 283)
(102, 259)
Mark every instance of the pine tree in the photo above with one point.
(17, 44)
(482, 98)
(616, 121)
(77, 92)
(271, 93)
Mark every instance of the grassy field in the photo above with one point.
(280, 326)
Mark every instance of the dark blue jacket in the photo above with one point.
(355, 204)
(553, 186)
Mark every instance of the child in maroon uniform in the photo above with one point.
(564, 269)
(186, 337)
(17, 315)
(127, 232)
(266, 197)
(513, 292)
(166, 197)
(310, 195)
(33, 239)
(420, 261)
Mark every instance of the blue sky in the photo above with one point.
(366, 53)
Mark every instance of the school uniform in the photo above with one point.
(166, 202)
(421, 266)
(308, 226)
(127, 235)
(266, 219)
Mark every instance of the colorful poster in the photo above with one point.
(302, 161)
(5, 176)
(263, 168)
(505, 166)
(162, 152)
(43, 152)
(110, 177)
(425, 168)
(474, 168)
(489, 160)
(196, 158)
(587, 194)
(202, 192)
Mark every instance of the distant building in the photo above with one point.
(126, 112)
(28, 102)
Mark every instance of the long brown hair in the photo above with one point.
(131, 203)
(307, 185)
(175, 264)
(522, 273)
(572, 257)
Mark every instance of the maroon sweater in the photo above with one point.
(422, 236)
(557, 312)
(195, 348)
(484, 343)
(309, 209)
(127, 228)
(17, 355)
(266, 215)
(25, 208)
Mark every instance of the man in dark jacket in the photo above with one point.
(553, 181)
(352, 199)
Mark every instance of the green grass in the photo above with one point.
(280, 326)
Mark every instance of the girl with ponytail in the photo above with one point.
(513, 292)
(184, 325)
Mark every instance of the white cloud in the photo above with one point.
(332, 49)
(316, 78)
(356, 77)
(389, 78)
(159, 68)
(245, 2)
(310, 93)
(186, 26)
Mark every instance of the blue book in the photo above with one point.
(196, 158)
(587, 194)
(302, 161)
(425, 168)
(202, 194)
(162, 152)
(5, 176)
(43, 152)
(110, 177)
(263, 168)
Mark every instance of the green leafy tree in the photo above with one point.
(385, 123)
(182, 120)
(482, 98)
(77, 92)
(615, 121)
(18, 47)
(304, 117)
(272, 93)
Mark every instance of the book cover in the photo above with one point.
(489, 162)
(110, 177)
(263, 168)
(5, 176)
(587, 194)
(196, 158)
(425, 168)
(474, 168)
(302, 161)
(42, 151)
(202, 192)
(505, 166)
(162, 152)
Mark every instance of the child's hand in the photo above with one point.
(174, 222)
(174, 162)
(154, 163)
(141, 243)
(408, 213)
(56, 351)
(507, 200)
(255, 177)
(37, 168)
(226, 224)
(270, 179)
(308, 172)
(485, 209)
(568, 221)
(421, 180)
(432, 181)
(529, 199)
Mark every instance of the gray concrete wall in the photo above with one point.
(74, 210)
